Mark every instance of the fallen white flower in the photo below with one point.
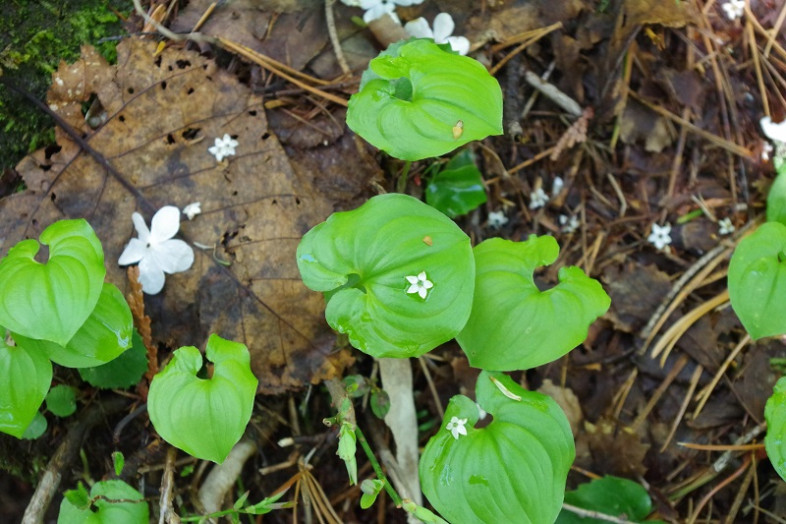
(441, 34)
(223, 147)
(569, 225)
(725, 227)
(497, 219)
(557, 186)
(457, 426)
(193, 209)
(378, 8)
(734, 9)
(538, 199)
(419, 284)
(155, 249)
(660, 236)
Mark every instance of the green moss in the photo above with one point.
(34, 36)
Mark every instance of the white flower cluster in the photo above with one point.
(441, 33)
(734, 9)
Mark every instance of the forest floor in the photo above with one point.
(667, 389)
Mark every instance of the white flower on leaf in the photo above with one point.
(725, 227)
(193, 209)
(660, 236)
(773, 131)
(734, 9)
(419, 284)
(441, 34)
(457, 426)
(223, 147)
(155, 249)
(538, 198)
(497, 219)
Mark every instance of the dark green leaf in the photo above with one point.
(457, 189)
(615, 496)
(122, 372)
(61, 401)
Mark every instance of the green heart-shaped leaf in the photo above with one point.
(610, 495)
(104, 335)
(369, 261)
(204, 417)
(113, 502)
(513, 324)
(121, 372)
(512, 470)
(775, 415)
(51, 301)
(776, 198)
(457, 189)
(25, 377)
(421, 101)
(757, 281)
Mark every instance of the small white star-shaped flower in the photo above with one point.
(193, 209)
(497, 219)
(569, 224)
(441, 34)
(155, 249)
(223, 147)
(379, 8)
(457, 426)
(734, 9)
(419, 284)
(660, 236)
(538, 198)
(725, 227)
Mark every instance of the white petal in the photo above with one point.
(408, 2)
(174, 256)
(419, 28)
(217, 152)
(422, 276)
(141, 228)
(165, 224)
(133, 253)
(443, 27)
(423, 292)
(414, 288)
(459, 44)
(412, 279)
(150, 276)
(428, 284)
(369, 4)
(772, 130)
(378, 11)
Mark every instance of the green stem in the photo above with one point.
(401, 184)
(377, 468)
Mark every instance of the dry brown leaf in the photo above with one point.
(162, 114)
(567, 400)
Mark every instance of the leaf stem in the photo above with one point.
(377, 468)
(401, 184)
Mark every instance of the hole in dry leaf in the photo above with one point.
(190, 90)
(157, 61)
(51, 150)
(170, 139)
(163, 84)
(130, 90)
(252, 113)
(274, 202)
(265, 136)
(44, 167)
(191, 133)
(121, 118)
(297, 201)
(53, 197)
(182, 64)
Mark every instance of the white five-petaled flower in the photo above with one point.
(497, 219)
(442, 32)
(223, 147)
(457, 426)
(193, 209)
(538, 198)
(734, 9)
(725, 227)
(419, 284)
(660, 236)
(155, 249)
(569, 225)
(379, 8)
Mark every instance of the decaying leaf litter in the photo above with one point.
(669, 98)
